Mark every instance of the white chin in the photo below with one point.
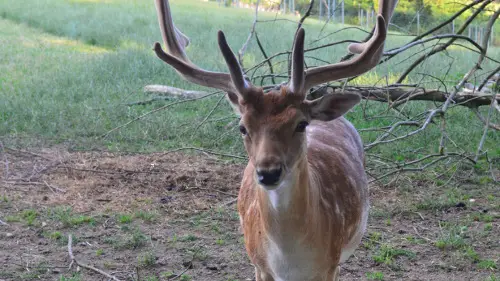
(270, 187)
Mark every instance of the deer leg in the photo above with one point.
(336, 275)
(262, 276)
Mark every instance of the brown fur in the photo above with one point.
(329, 166)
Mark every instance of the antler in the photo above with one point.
(369, 52)
(176, 42)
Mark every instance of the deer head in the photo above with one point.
(273, 124)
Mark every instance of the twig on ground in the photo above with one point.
(180, 274)
(75, 261)
(44, 183)
(188, 267)
(3, 223)
(109, 171)
(419, 235)
(28, 152)
(230, 202)
(52, 188)
(206, 151)
(211, 190)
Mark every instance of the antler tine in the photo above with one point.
(235, 70)
(296, 84)
(369, 52)
(175, 56)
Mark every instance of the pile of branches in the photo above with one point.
(483, 93)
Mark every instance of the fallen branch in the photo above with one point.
(3, 223)
(402, 94)
(163, 90)
(75, 261)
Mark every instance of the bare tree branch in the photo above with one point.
(243, 49)
(446, 45)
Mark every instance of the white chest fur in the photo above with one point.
(291, 261)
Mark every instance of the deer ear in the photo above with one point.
(233, 100)
(331, 106)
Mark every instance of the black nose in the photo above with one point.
(269, 177)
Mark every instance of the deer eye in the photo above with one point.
(301, 127)
(243, 130)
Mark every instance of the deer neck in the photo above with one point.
(288, 203)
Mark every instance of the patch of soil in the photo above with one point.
(173, 217)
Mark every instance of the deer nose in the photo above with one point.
(269, 176)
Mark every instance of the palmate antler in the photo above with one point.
(369, 52)
(234, 82)
(175, 42)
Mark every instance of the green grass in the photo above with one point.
(146, 216)
(66, 216)
(69, 67)
(387, 254)
(146, 260)
(73, 277)
(487, 264)
(29, 216)
(452, 237)
(188, 238)
(375, 275)
(124, 218)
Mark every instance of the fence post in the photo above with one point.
(320, 10)
(367, 18)
(418, 22)
(329, 9)
(361, 18)
(334, 7)
(342, 8)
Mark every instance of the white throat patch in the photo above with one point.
(281, 196)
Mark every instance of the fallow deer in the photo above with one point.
(303, 201)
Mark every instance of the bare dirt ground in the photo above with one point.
(173, 217)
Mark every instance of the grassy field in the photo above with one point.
(69, 69)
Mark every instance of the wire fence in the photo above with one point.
(348, 12)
